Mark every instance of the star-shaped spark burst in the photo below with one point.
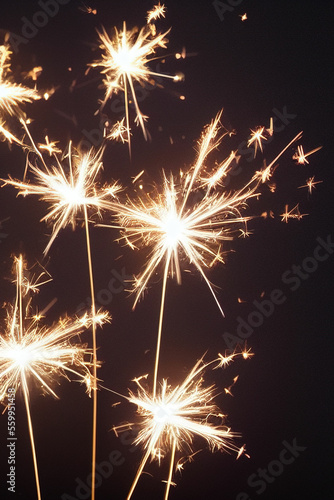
(310, 184)
(33, 353)
(125, 59)
(294, 213)
(257, 137)
(12, 95)
(70, 191)
(157, 11)
(170, 421)
(187, 218)
(301, 157)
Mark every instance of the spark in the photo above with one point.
(216, 178)
(294, 213)
(157, 11)
(118, 132)
(227, 358)
(256, 138)
(243, 17)
(88, 10)
(125, 59)
(270, 130)
(310, 184)
(170, 420)
(30, 352)
(49, 146)
(300, 156)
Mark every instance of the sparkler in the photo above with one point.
(125, 59)
(171, 419)
(31, 352)
(188, 219)
(11, 94)
(69, 194)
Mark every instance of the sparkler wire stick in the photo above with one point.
(171, 467)
(31, 432)
(93, 309)
(161, 315)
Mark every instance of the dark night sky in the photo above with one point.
(279, 59)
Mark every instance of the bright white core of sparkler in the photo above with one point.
(173, 227)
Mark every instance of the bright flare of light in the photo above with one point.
(29, 352)
(125, 59)
(69, 191)
(170, 421)
(12, 95)
(38, 351)
(183, 220)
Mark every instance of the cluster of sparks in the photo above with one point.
(125, 60)
(188, 219)
(171, 419)
(12, 95)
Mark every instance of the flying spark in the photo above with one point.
(154, 14)
(300, 156)
(294, 213)
(310, 184)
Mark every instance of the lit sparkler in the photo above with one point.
(170, 420)
(176, 227)
(70, 194)
(12, 95)
(125, 59)
(30, 352)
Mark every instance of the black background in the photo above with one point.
(280, 57)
